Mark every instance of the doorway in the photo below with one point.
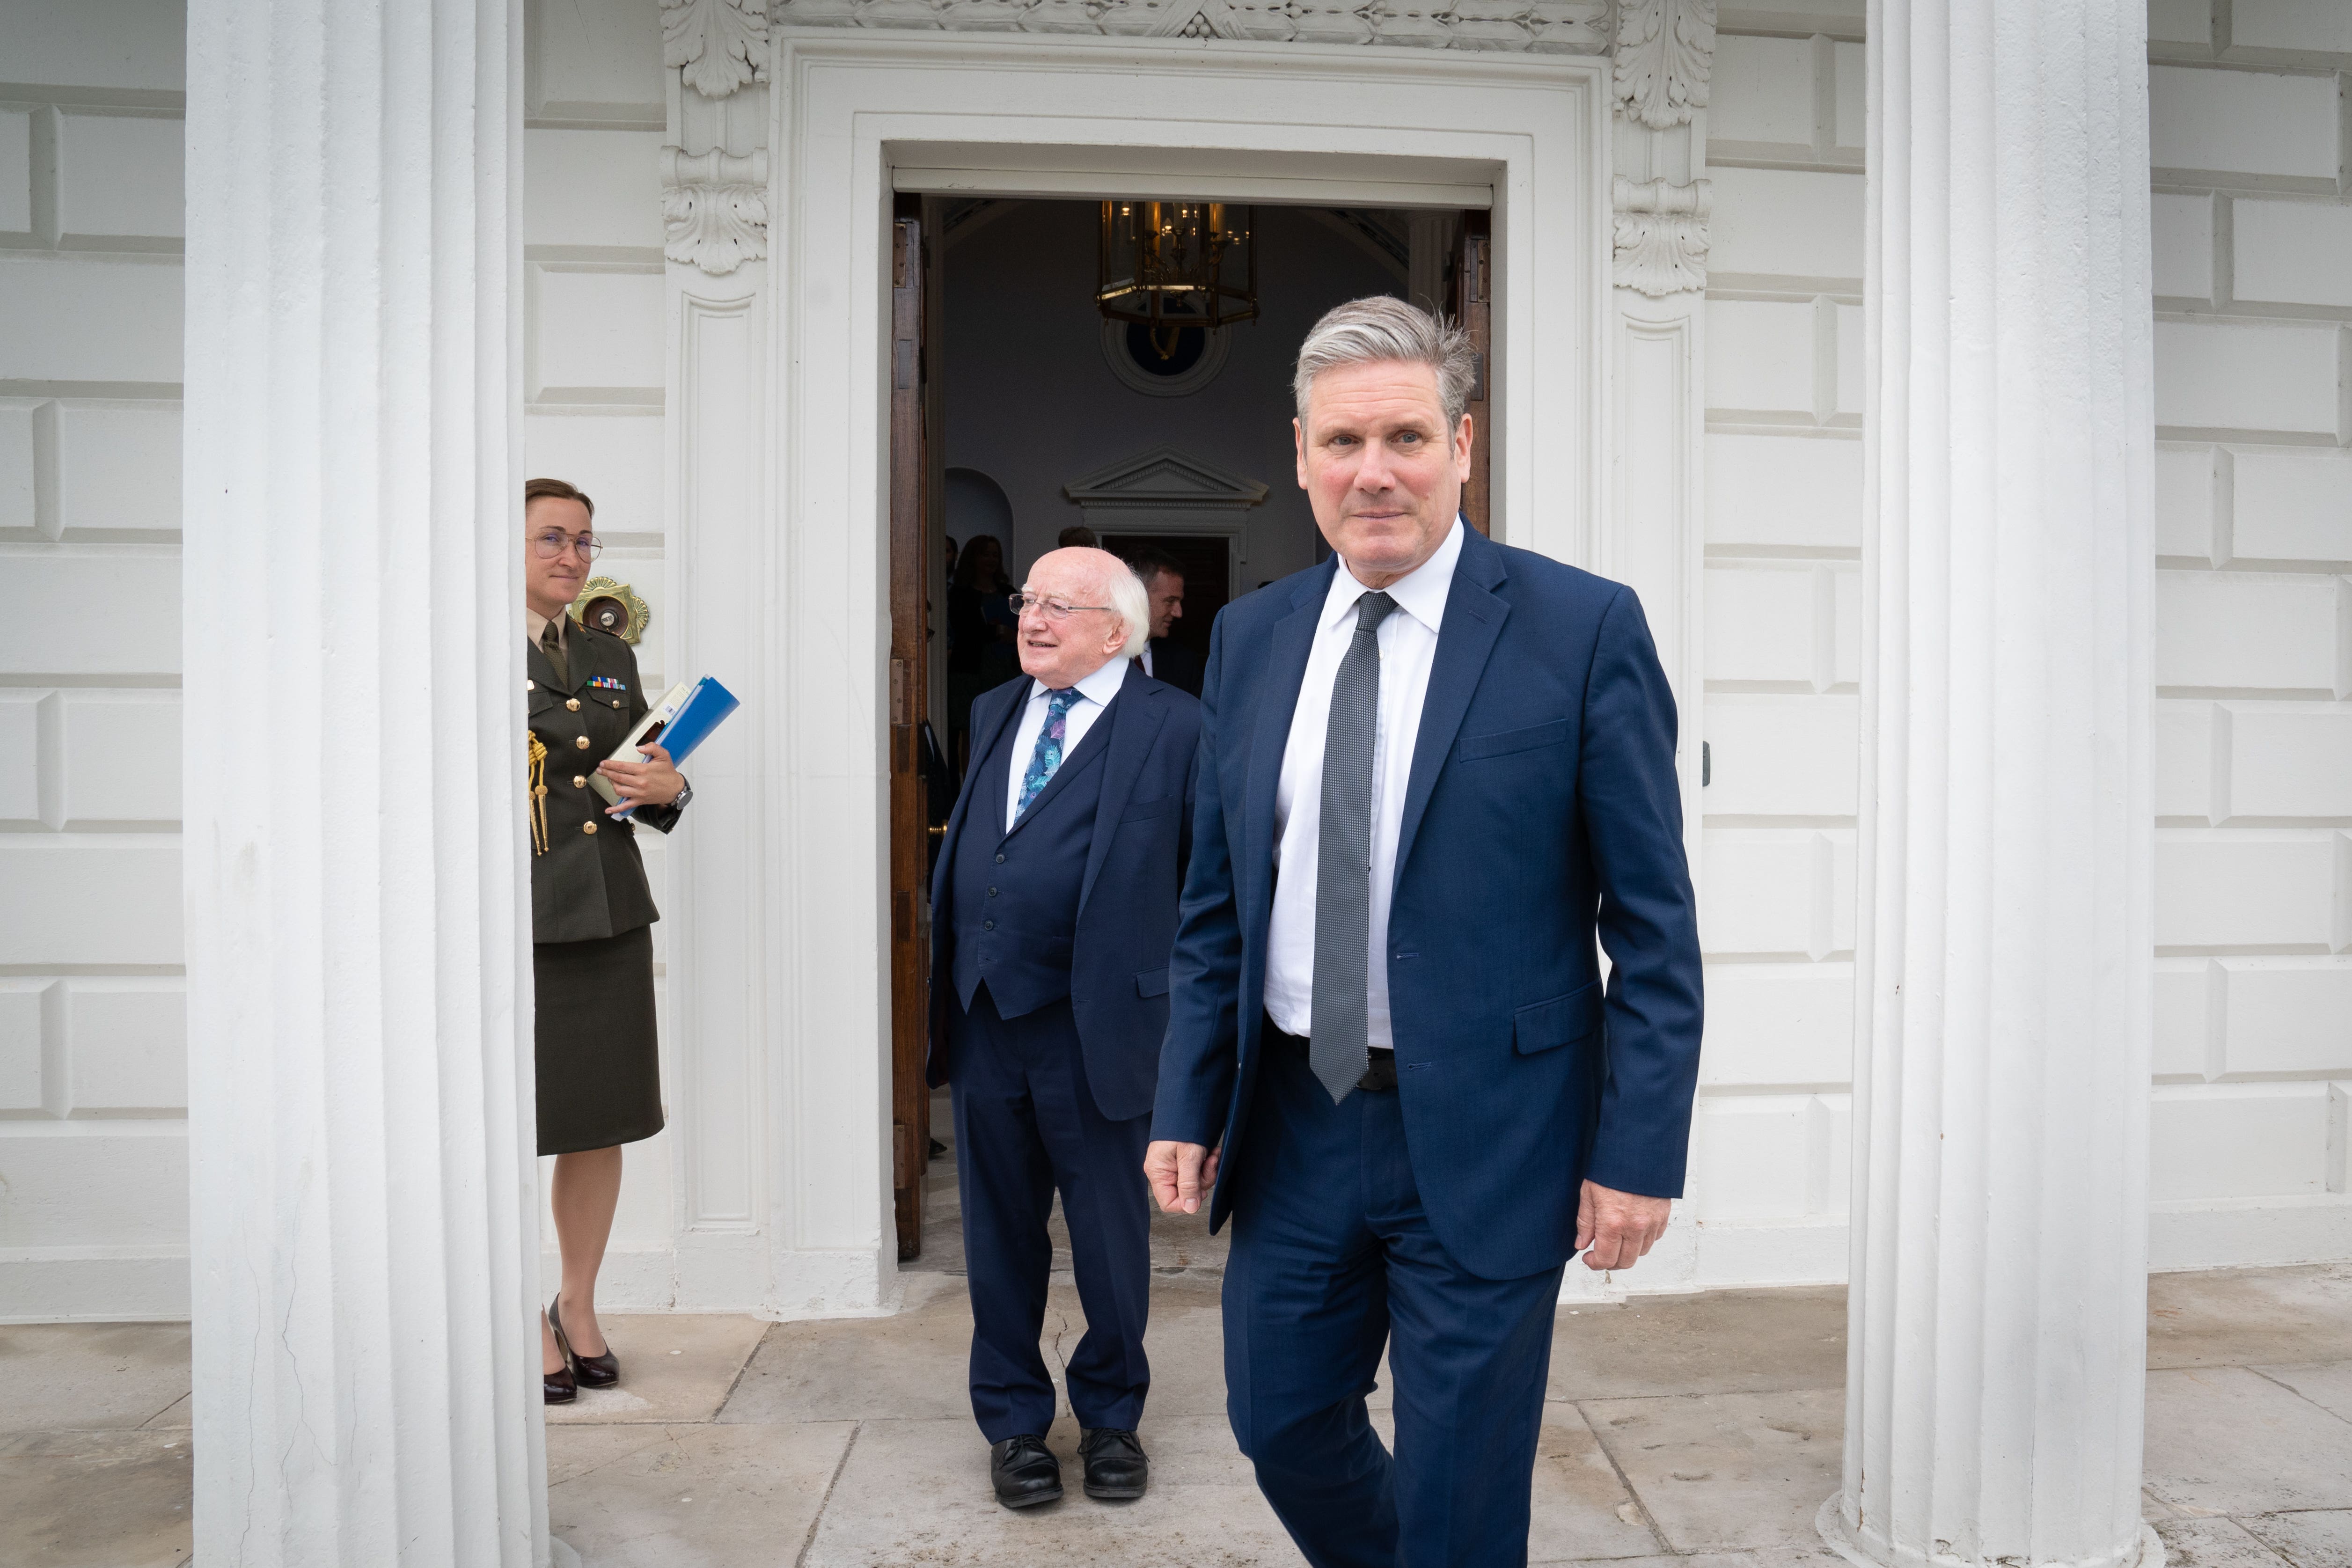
(1020, 410)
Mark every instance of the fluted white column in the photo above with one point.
(362, 1167)
(1999, 1305)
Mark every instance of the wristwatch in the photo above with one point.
(685, 793)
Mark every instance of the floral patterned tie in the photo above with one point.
(1049, 754)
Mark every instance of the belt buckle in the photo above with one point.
(1381, 1074)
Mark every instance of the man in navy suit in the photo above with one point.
(1052, 909)
(1432, 769)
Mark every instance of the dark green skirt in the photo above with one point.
(599, 1064)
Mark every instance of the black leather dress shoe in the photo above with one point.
(1116, 1466)
(1025, 1472)
(559, 1385)
(592, 1371)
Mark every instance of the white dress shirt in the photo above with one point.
(1145, 658)
(1408, 644)
(1095, 692)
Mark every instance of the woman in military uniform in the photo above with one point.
(592, 918)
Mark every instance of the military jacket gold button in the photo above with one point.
(530, 685)
(579, 781)
(582, 743)
(573, 703)
(587, 827)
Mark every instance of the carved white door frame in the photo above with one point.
(779, 461)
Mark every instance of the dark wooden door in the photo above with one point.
(910, 560)
(1474, 307)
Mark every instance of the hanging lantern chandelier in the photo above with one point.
(1168, 266)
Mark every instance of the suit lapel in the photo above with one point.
(986, 728)
(1473, 619)
(1134, 719)
(536, 664)
(1294, 639)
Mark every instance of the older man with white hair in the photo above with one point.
(1433, 770)
(1053, 909)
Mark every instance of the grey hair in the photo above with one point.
(1383, 327)
(1133, 605)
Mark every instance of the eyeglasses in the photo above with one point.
(1052, 610)
(555, 541)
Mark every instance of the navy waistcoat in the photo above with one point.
(1016, 894)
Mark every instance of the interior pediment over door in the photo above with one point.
(1164, 479)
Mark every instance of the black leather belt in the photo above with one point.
(1379, 1078)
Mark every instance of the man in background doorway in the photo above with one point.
(1079, 536)
(1053, 907)
(1163, 659)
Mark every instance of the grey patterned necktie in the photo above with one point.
(1337, 1046)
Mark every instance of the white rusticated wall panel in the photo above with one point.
(1794, 222)
(2289, 759)
(2286, 1015)
(2230, 375)
(2183, 1044)
(1779, 493)
(1762, 620)
(90, 319)
(2292, 252)
(20, 757)
(120, 1186)
(2238, 1141)
(593, 187)
(594, 331)
(2185, 491)
(2184, 246)
(118, 465)
(22, 1004)
(92, 610)
(126, 1047)
(2313, 27)
(593, 59)
(140, 45)
(17, 171)
(2242, 122)
(16, 462)
(2249, 631)
(615, 458)
(1777, 1024)
(2184, 757)
(2291, 505)
(2248, 887)
(120, 757)
(119, 175)
(1760, 357)
(1782, 756)
(103, 900)
(1763, 91)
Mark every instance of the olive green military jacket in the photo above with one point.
(588, 882)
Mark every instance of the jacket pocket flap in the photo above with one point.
(1144, 810)
(1506, 742)
(1151, 982)
(1562, 1021)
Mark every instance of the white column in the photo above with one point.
(358, 996)
(1998, 1304)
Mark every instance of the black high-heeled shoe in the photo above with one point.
(591, 1371)
(559, 1386)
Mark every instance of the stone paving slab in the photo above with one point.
(1724, 1342)
(2213, 1544)
(673, 1367)
(95, 1500)
(2321, 1539)
(917, 1492)
(1721, 1471)
(2326, 1384)
(2227, 1440)
(2245, 1317)
(714, 1497)
(89, 1374)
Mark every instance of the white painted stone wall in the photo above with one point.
(93, 1077)
(2253, 279)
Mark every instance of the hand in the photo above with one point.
(1617, 1227)
(655, 782)
(1179, 1174)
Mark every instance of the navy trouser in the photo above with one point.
(1027, 1123)
(1332, 1256)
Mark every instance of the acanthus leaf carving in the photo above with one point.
(721, 45)
(714, 208)
(1661, 235)
(1665, 57)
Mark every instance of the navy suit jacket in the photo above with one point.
(1128, 898)
(1542, 809)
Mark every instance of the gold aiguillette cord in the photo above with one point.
(538, 795)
